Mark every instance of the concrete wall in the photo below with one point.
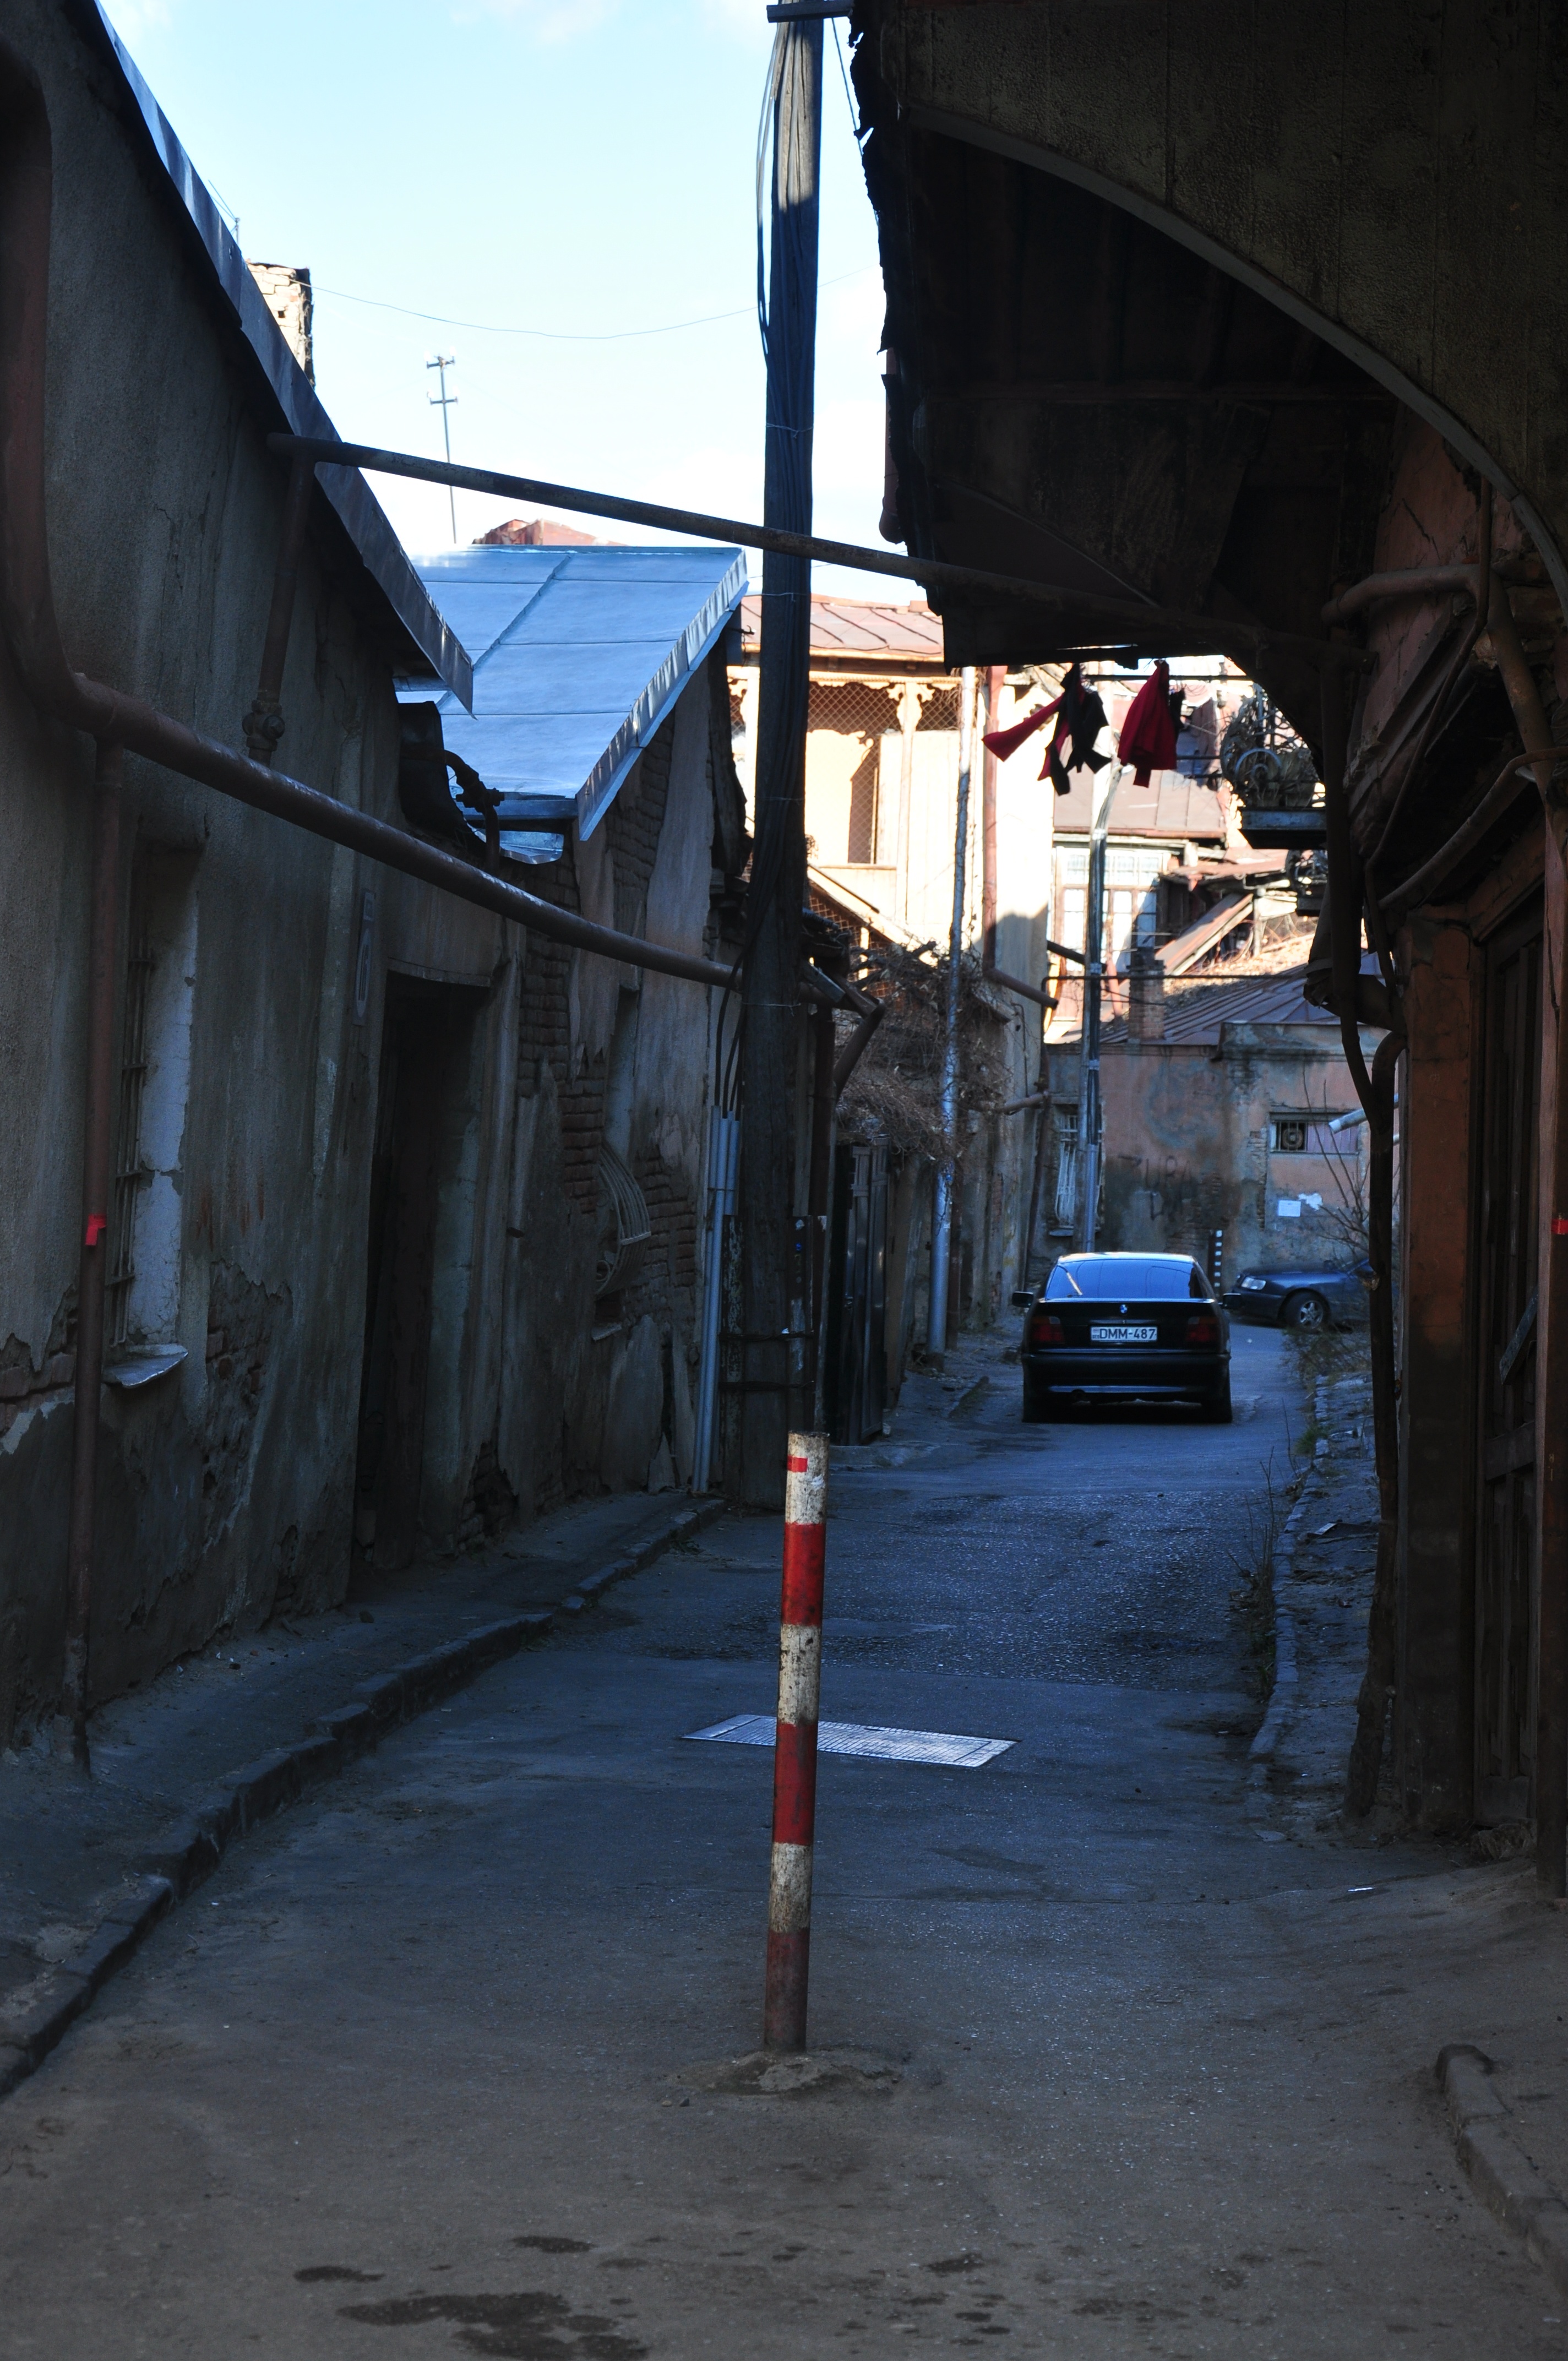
(228, 1486)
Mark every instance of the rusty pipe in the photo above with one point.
(263, 725)
(102, 968)
(1551, 1613)
(1169, 627)
(1408, 582)
(31, 628)
(1505, 791)
(1344, 887)
(1382, 1632)
(996, 679)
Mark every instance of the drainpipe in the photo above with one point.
(947, 1171)
(723, 1155)
(103, 967)
(1088, 1117)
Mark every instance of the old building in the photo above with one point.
(1218, 1096)
(363, 1102)
(881, 777)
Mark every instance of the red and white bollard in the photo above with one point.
(794, 1750)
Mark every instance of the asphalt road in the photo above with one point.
(405, 2080)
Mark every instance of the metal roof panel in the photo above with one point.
(601, 643)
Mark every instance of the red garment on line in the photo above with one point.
(1004, 742)
(1148, 734)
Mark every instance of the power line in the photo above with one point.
(562, 335)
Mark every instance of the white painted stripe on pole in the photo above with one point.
(937, 1746)
(800, 1671)
(806, 1489)
(789, 1889)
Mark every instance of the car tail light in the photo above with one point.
(1203, 1328)
(1044, 1328)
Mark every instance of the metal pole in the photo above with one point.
(94, 1251)
(947, 1171)
(444, 402)
(723, 1149)
(794, 1746)
(775, 1394)
(1089, 1120)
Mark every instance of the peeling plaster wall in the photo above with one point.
(228, 1486)
(1188, 1146)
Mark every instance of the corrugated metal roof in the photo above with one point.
(1194, 1012)
(1169, 805)
(579, 655)
(850, 626)
(356, 506)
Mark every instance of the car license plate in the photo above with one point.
(1123, 1333)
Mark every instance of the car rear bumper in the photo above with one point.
(1110, 1367)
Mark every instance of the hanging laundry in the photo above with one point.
(1197, 741)
(1079, 718)
(1148, 734)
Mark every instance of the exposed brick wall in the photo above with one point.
(632, 826)
(668, 1276)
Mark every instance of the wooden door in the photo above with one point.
(1505, 1524)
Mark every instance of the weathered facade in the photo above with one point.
(881, 776)
(1287, 367)
(1218, 1098)
(357, 1224)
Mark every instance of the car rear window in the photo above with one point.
(1095, 1276)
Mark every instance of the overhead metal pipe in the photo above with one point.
(1173, 630)
(31, 628)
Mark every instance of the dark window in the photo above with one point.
(1098, 1276)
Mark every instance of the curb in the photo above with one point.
(1500, 2173)
(970, 1394)
(1282, 1696)
(195, 1845)
(680, 1529)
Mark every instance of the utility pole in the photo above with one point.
(1088, 1121)
(444, 402)
(948, 1171)
(776, 1380)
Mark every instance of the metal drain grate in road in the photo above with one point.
(858, 1738)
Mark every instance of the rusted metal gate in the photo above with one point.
(1506, 1552)
(855, 1387)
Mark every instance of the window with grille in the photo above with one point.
(1303, 1135)
(850, 721)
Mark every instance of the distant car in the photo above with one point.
(1143, 1326)
(1304, 1298)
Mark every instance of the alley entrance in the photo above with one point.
(437, 2063)
(421, 1114)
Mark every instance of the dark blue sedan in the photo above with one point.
(1305, 1298)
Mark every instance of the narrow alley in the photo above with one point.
(1108, 2056)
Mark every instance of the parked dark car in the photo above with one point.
(1305, 1298)
(1136, 1326)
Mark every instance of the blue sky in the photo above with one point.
(584, 167)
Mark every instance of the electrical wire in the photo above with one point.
(566, 336)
